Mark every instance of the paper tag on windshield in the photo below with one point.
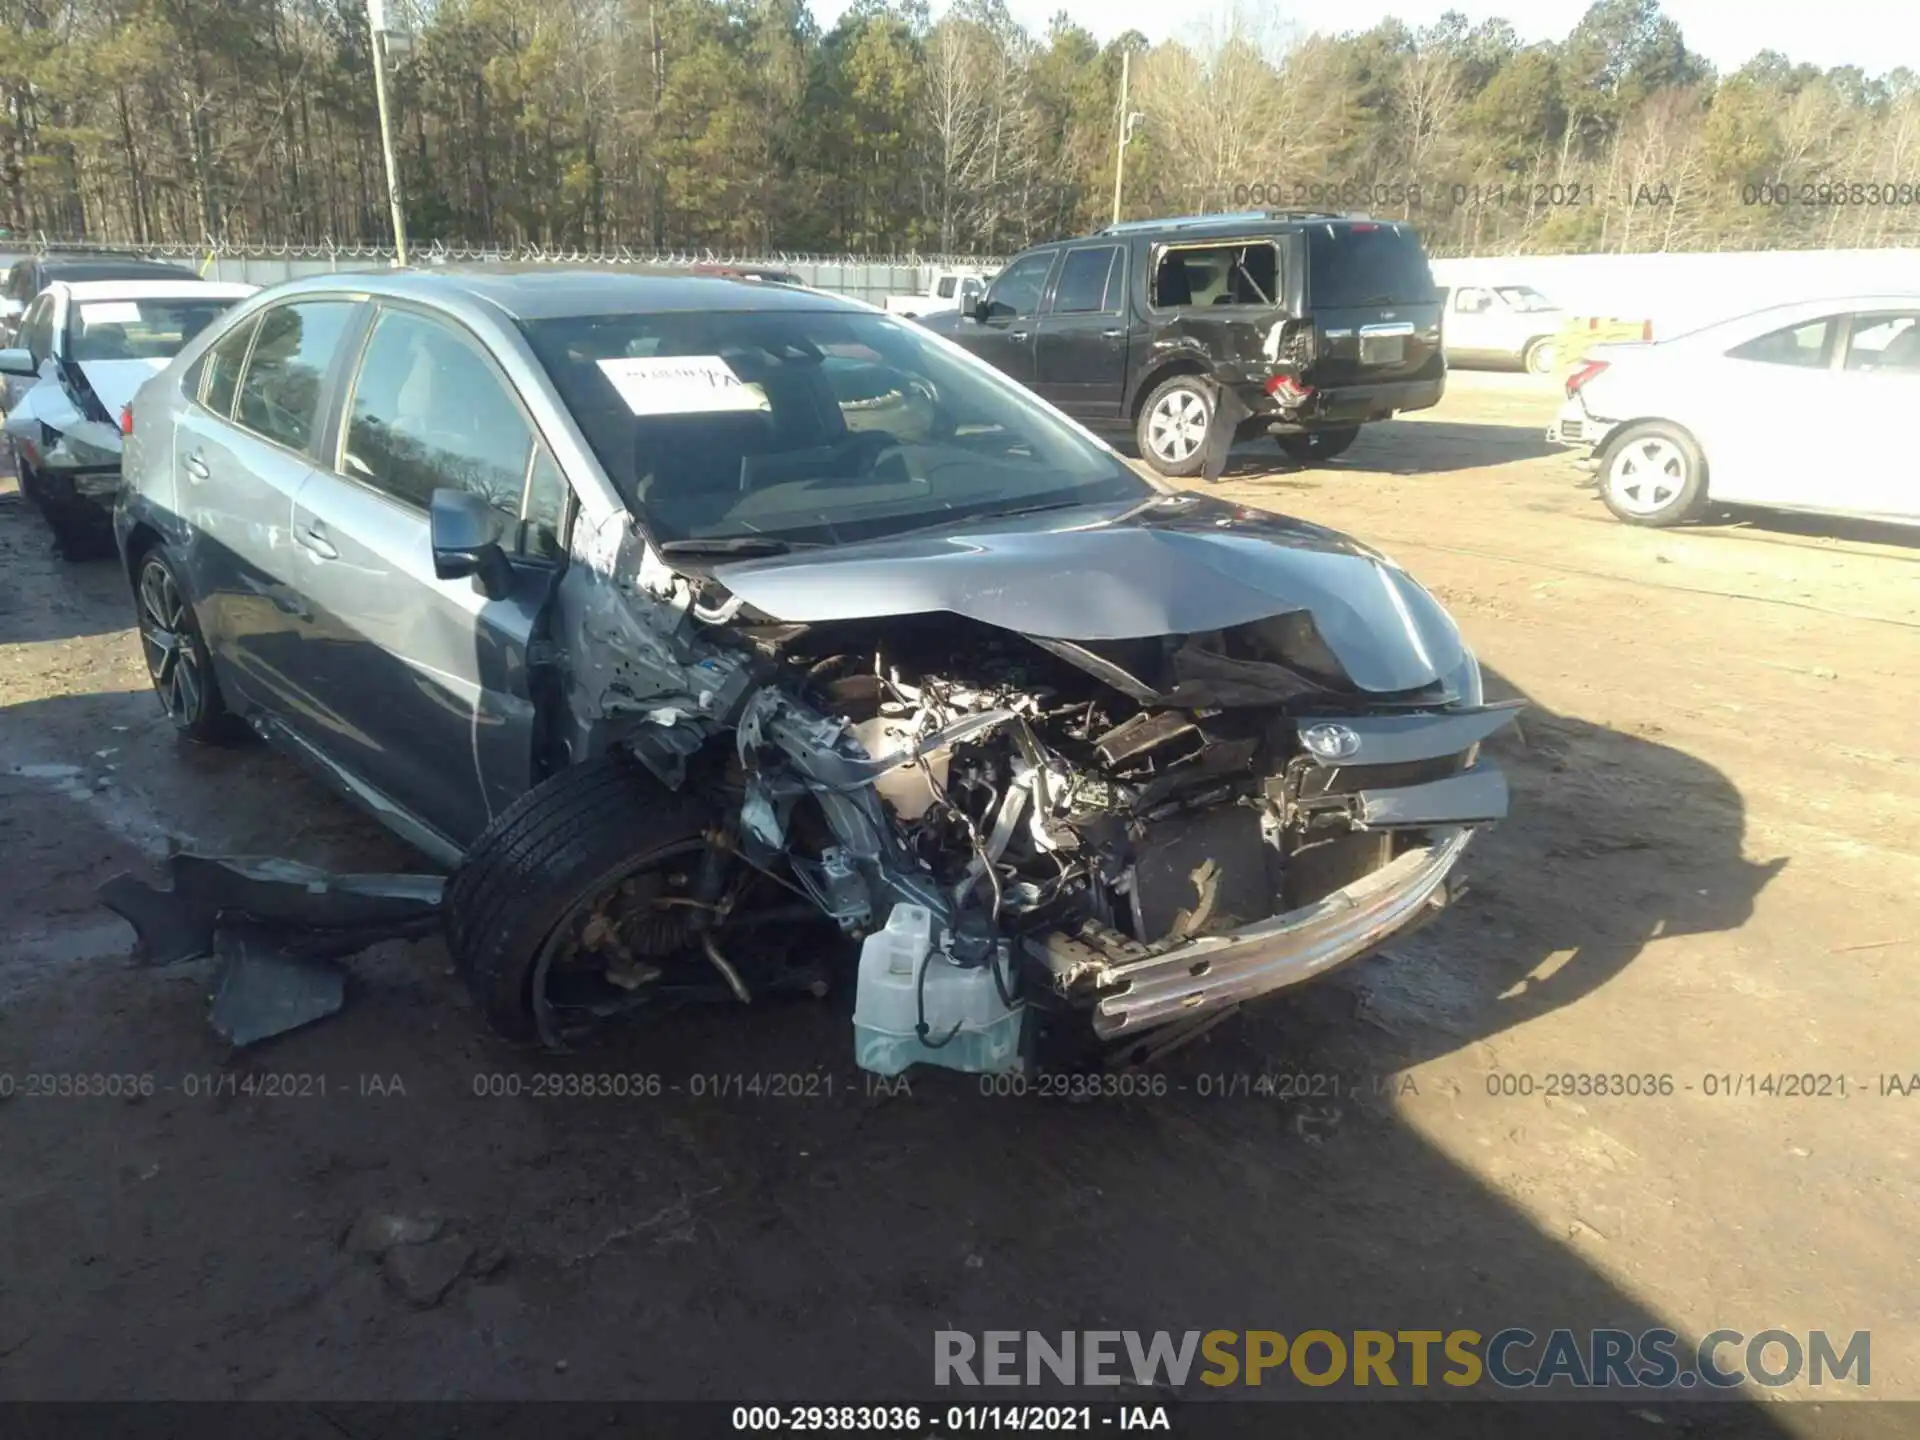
(681, 385)
(109, 312)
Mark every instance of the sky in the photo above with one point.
(1867, 33)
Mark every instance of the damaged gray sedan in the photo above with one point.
(696, 625)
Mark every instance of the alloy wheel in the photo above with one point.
(1178, 425)
(1647, 475)
(172, 662)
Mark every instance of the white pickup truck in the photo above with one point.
(948, 290)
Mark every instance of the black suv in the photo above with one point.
(1300, 325)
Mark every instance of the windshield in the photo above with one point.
(1366, 264)
(146, 329)
(812, 426)
(1524, 297)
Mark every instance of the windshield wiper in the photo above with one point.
(734, 545)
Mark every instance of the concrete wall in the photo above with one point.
(1679, 292)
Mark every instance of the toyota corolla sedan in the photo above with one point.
(671, 613)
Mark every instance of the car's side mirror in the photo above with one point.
(982, 309)
(18, 362)
(465, 533)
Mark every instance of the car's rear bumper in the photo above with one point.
(1344, 405)
(1219, 970)
(90, 488)
(1576, 429)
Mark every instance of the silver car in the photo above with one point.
(673, 612)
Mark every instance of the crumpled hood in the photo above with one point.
(1179, 568)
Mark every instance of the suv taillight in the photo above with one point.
(1287, 390)
(126, 419)
(1582, 373)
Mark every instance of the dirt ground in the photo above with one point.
(1709, 874)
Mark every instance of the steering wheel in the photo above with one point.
(942, 422)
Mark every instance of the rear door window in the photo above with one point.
(287, 370)
(1086, 281)
(1366, 264)
(1805, 347)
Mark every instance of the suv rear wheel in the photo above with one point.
(1173, 424)
(1318, 445)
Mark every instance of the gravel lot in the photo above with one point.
(1710, 874)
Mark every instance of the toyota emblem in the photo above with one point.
(1330, 742)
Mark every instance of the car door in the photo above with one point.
(1874, 384)
(1472, 323)
(1005, 338)
(1080, 342)
(426, 680)
(241, 452)
(1726, 400)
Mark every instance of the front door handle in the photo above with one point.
(1016, 334)
(195, 466)
(314, 538)
(1111, 334)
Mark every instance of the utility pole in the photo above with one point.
(1126, 129)
(377, 25)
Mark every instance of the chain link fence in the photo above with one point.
(863, 277)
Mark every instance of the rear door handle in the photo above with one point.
(1016, 334)
(1111, 334)
(195, 466)
(314, 538)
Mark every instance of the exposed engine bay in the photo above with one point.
(1081, 817)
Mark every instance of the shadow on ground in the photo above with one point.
(694, 1237)
(1825, 527)
(91, 600)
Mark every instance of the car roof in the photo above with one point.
(109, 268)
(156, 289)
(1773, 317)
(550, 292)
(1250, 223)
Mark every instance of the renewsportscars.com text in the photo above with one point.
(1512, 1359)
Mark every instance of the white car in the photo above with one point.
(1796, 407)
(83, 348)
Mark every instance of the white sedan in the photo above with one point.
(1796, 407)
(83, 348)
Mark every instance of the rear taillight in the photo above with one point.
(126, 419)
(1582, 373)
(1287, 390)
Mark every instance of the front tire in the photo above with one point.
(1172, 427)
(538, 874)
(177, 660)
(1654, 474)
(1317, 445)
(1540, 357)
